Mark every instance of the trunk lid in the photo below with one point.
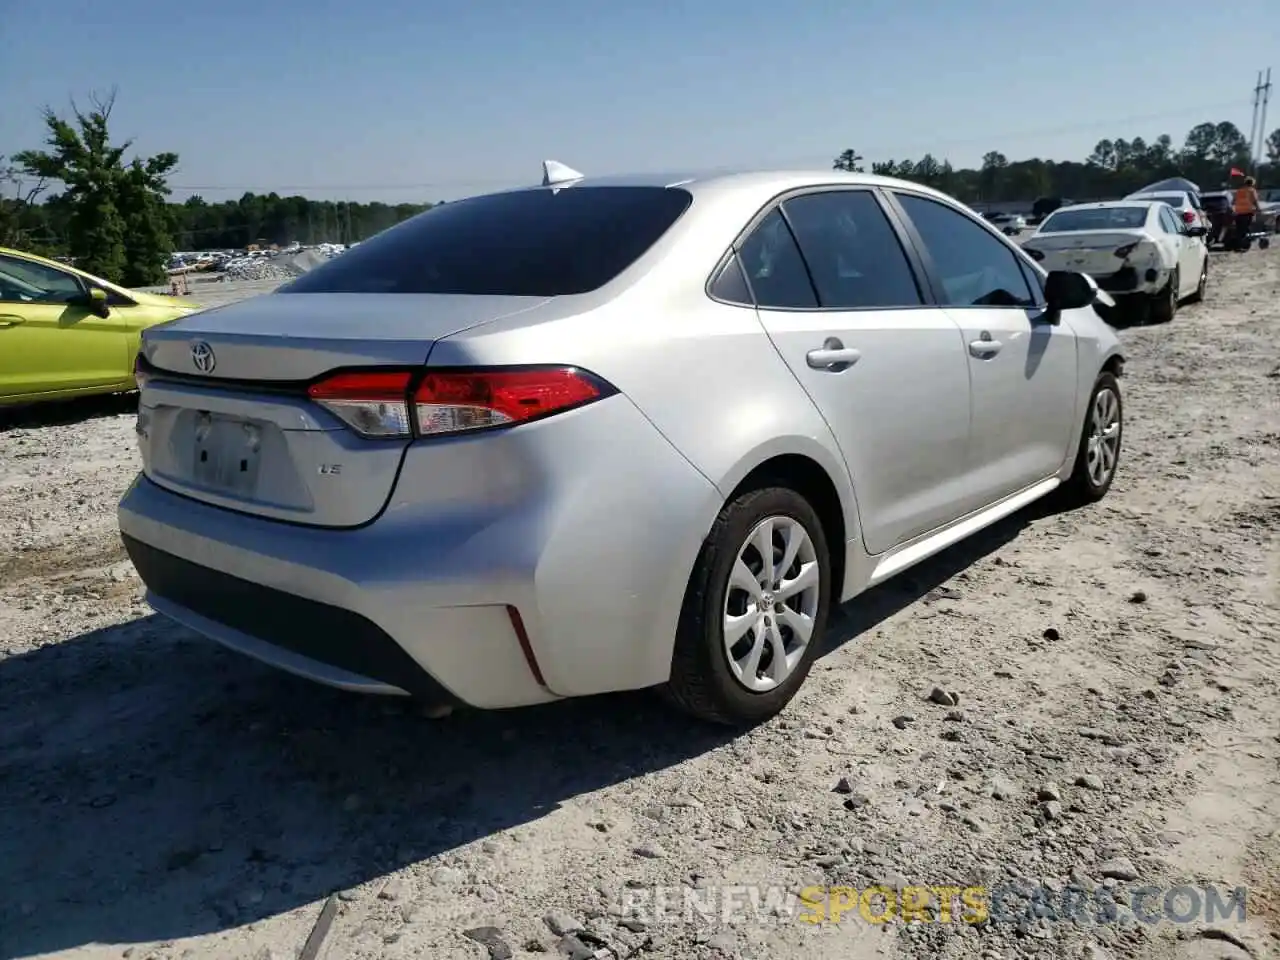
(1091, 253)
(223, 415)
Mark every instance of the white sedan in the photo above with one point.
(1137, 250)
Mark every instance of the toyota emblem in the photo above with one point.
(202, 356)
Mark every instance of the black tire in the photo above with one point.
(1164, 305)
(1081, 487)
(1198, 296)
(702, 682)
(1134, 308)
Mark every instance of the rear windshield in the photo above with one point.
(527, 243)
(1104, 218)
(1172, 199)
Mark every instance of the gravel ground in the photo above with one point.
(1115, 669)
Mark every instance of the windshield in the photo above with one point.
(1100, 218)
(527, 243)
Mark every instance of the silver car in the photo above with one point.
(609, 434)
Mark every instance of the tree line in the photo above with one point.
(113, 217)
(1115, 168)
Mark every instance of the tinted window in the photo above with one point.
(975, 268)
(775, 270)
(730, 285)
(852, 253)
(527, 243)
(22, 281)
(1096, 218)
(1168, 221)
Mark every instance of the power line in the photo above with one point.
(931, 146)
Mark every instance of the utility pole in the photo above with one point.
(1262, 121)
(1258, 128)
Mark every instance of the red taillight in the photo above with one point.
(372, 404)
(1124, 251)
(385, 403)
(140, 375)
(450, 401)
(1188, 216)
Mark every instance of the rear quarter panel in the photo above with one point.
(704, 374)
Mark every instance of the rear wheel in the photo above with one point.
(1099, 453)
(1164, 304)
(755, 610)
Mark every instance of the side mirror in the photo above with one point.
(1067, 290)
(96, 301)
(1196, 231)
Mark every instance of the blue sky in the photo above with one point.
(397, 100)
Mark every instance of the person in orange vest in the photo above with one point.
(1245, 208)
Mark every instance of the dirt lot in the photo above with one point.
(1117, 671)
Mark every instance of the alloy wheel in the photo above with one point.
(1104, 436)
(771, 603)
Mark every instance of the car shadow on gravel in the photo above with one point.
(61, 413)
(154, 786)
(922, 582)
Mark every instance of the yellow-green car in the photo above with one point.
(64, 333)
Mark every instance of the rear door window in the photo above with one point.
(774, 267)
(852, 252)
(730, 285)
(526, 243)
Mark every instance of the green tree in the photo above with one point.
(19, 213)
(994, 164)
(82, 158)
(147, 220)
(118, 226)
(1273, 146)
(848, 160)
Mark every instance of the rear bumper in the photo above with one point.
(1132, 280)
(587, 525)
(1124, 280)
(316, 640)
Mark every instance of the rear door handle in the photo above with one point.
(10, 321)
(985, 348)
(833, 356)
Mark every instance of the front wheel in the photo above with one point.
(755, 610)
(1099, 453)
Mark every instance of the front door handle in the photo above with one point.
(11, 321)
(985, 349)
(833, 356)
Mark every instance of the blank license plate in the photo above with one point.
(226, 455)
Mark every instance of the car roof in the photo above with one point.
(36, 258)
(1107, 205)
(747, 180)
(33, 257)
(1147, 194)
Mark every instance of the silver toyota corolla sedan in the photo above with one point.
(609, 434)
